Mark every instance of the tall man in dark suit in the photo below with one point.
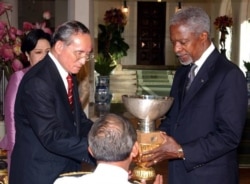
(204, 126)
(51, 135)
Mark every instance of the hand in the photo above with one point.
(167, 150)
(130, 174)
(158, 180)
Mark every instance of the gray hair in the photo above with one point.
(112, 138)
(66, 30)
(195, 18)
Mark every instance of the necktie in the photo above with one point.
(70, 89)
(191, 76)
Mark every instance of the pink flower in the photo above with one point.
(17, 65)
(46, 15)
(7, 52)
(115, 16)
(4, 7)
(43, 27)
(12, 33)
(2, 29)
(10, 41)
(27, 26)
(19, 32)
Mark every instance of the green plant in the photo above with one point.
(104, 65)
(247, 65)
(111, 44)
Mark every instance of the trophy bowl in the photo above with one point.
(147, 108)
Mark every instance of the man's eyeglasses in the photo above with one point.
(83, 55)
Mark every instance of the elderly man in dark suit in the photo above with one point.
(51, 130)
(204, 126)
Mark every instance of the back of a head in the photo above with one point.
(195, 18)
(29, 42)
(112, 138)
(64, 31)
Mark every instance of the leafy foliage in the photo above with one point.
(111, 44)
(104, 65)
(247, 65)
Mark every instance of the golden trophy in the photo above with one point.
(147, 109)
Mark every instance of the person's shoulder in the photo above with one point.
(227, 65)
(17, 75)
(20, 72)
(42, 68)
(73, 179)
(67, 179)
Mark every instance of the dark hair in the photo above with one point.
(30, 40)
(66, 30)
(112, 138)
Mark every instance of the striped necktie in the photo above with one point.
(191, 76)
(70, 90)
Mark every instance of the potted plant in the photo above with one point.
(222, 23)
(111, 44)
(104, 65)
(111, 47)
(247, 65)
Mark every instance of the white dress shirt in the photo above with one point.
(103, 174)
(62, 71)
(203, 58)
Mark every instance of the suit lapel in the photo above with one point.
(76, 101)
(201, 78)
(59, 85)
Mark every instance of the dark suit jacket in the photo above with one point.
(208, 122)
(50, 139)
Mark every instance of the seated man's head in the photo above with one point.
(113, 139)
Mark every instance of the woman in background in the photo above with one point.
(35, 46)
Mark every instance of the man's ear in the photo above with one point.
(90, 151)
(135, 150)
(204, 36)
(59, 45)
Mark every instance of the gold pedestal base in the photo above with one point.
(140, 173)
(147, 141)
(4, 176)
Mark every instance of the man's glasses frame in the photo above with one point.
(83, 55)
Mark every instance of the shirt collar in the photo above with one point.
(203, 57)
(63, 73)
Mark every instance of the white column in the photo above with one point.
(83, 11)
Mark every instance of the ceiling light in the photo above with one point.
(125, 7)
